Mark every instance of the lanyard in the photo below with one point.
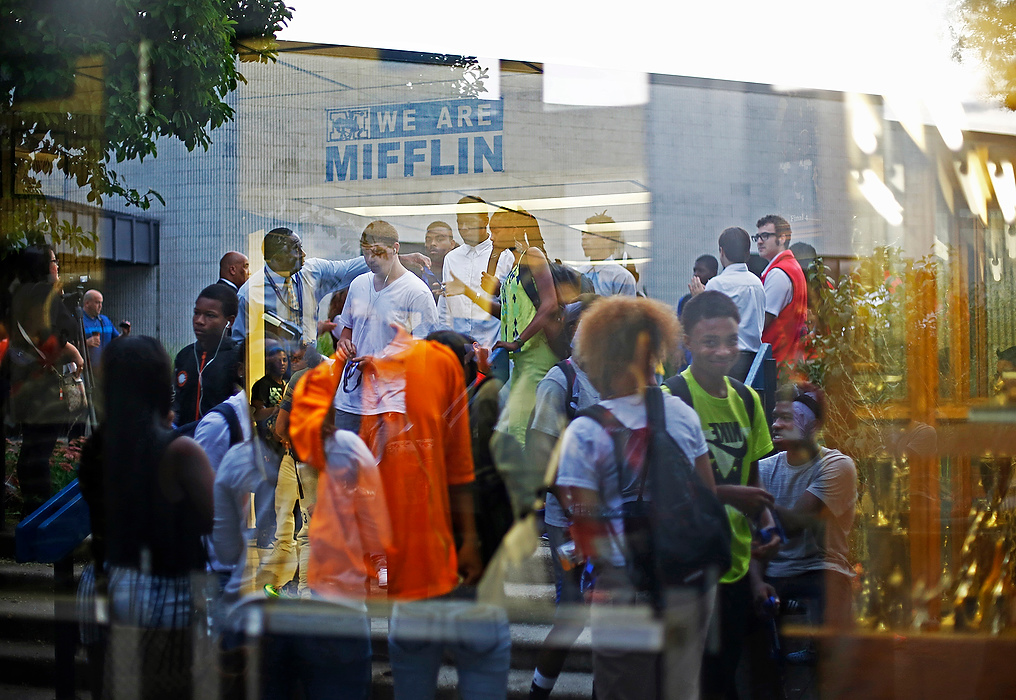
(297, 282)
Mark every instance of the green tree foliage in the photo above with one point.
(986, 31)
(85, 84)
(859, 332)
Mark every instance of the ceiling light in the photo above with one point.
(531, 205)
(616, 226)
(633, 261)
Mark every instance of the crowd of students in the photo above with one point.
(495, 387)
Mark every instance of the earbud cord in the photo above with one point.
(350, 368)
(197, 362)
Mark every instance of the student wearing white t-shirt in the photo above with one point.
(383, 298)
(641, 333)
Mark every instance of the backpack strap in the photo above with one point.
(568, 369)
(607, 420)
(656, 421)
(527, 280)
(571, 410)
(746, 398)
(187, 429)
(678, 386)
(616, 430)
(654, 408)
(224, 410)
(232, 420)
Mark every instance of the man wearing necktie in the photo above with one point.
(293, 285)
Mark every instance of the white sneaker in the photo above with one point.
(379, 562)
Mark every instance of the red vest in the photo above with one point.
(788, 329)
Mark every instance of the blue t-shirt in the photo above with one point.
(106, 330)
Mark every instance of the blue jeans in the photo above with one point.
(568, 583)
(475, 634)
(344, 420)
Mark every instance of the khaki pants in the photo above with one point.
(280, 565)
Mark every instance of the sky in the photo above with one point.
(871, 46)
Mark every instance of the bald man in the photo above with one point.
(99, 330)
(233, 270)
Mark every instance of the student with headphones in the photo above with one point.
(204, 371)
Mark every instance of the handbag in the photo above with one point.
(71, 396)
(72, 393)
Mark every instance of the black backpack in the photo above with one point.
(681, 537)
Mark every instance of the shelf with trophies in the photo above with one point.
(930, 421)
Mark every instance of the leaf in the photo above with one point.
(193, 71)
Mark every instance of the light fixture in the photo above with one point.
(616, 226)
(584, 86)
(530, 205)
(864, 126)
(971, 174)
(879, 196)
(633, 261)
(949, 118)
(1003, 181)
(996, 269)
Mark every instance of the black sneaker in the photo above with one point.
(804, 657)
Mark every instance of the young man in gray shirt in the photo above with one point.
(815, 489)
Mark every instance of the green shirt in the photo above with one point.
(518, 311)
(733, 445)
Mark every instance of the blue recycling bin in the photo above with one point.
(55, 529)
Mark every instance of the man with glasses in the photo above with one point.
(378, 302)
(786, 305)
(293, 285)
